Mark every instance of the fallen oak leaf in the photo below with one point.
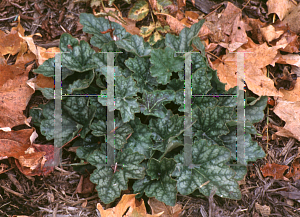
(128, 206)
(274, 170)
(160, 207)
(15, 95)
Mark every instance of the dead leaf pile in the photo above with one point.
(15, 93)
(228, 30)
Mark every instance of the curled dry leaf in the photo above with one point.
(281, 8)
(175, 25)
(43, 54)
(255, 25)
(290, 113)
(269, 33)
(290, 19)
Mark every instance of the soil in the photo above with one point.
(54, 195)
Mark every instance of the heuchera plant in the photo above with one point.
(148, 79)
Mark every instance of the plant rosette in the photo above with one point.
(149, 114)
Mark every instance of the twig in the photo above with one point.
(211, 12)
(186, 203)
(215, 56)
(84, 199)
(55, 210)
(246, 4)
(71, 139)
(12, 192)
(163, 14)
(117, 8)
(211, 202)
(6, 170)
(16, 5)
(2, 19)
(294, 2)
(113, 130)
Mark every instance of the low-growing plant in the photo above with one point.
(149, 106)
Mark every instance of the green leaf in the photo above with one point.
(78, 109)
(153, 102)
(164, 63)
(47, 68)
(65, 72)
(182, 43)
(204, 102)
(158, 44)
(240, 172)
(100, 111)
(230, 100)
(165, 128)
(86, 146)
(109, 184)
(95, 26)
(252, 150)
(148, 79)
(163, 188)
(78, 59)
(98, 128)
(122, 57)
(200, 81)
(209, 167)
(199, 62)
(47, 125)
(255, 112)
(156, 169)
(136, 45)
(125, 90)
(101, 61)
(84, 80)
(110, 47)
(67, 42)
(140, 140)
(140, 66)
(175, 84)
(211, 123)
(48, 93)
(199, 45)
(121, 133)
(139, 10)
(218, 86)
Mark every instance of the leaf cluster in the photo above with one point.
(149, 105)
